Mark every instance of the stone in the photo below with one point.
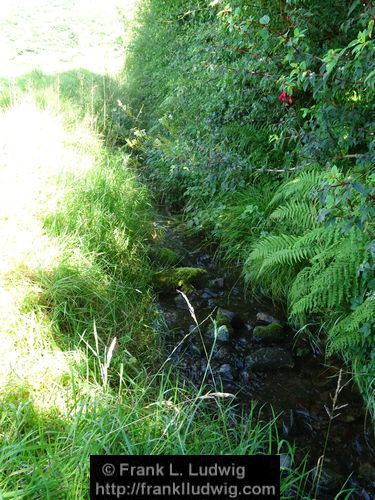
(224, 317)
(217, 283)
(208, 294)
(225, 371)
(223, 334)
(242, 344)
(244, 376)
(269, 358)
(181, 278)
(266, 318)
(220, 334)
(222, 354)
(239, 363)
(270, 333)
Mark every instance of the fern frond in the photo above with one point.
(346, 334)
(331, 279)
(300, 215)
(299, 187)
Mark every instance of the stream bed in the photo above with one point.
(272, 366)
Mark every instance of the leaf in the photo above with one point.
(265, 19)
(360, 188)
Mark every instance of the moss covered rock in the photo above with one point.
(167, 256)
(273, 332)
(182, 278)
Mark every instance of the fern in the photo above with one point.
(273, 262)
(299, 187)
(347, 333)
(331, 279)
(300, 215)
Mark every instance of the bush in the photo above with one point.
(257, 121)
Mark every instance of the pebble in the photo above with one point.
(223, 334)
(267, 318)
(225, 372)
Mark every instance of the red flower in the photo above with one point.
(284, 96)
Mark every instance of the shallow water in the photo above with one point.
(302, 395)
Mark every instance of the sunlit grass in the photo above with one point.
(75, 282)
(61, 35)
(79, 330)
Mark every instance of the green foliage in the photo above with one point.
(258, 122)
(354, 330)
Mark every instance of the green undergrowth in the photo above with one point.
(82, 368)
(256, 121)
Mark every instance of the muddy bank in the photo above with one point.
(247, 348)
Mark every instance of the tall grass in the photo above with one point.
(82, 372)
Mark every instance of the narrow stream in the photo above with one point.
(286, 371)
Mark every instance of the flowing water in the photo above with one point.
(301, 394)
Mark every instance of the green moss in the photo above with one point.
(183, 278)
(167, 256)
(271, 333)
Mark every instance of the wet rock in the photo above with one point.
(217, 283)
(212, 303)
(226, 373)
(267, 318)
(330, 482)
(220, 334)
(223, 334)
(208, 294)
(239, 363)
(269, 358)
(270, 333)
(367, 472)
(222, 353)
(242, 345)
(182, 278)
(224, 317)
(244, 377)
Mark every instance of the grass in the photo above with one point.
(81, 369)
